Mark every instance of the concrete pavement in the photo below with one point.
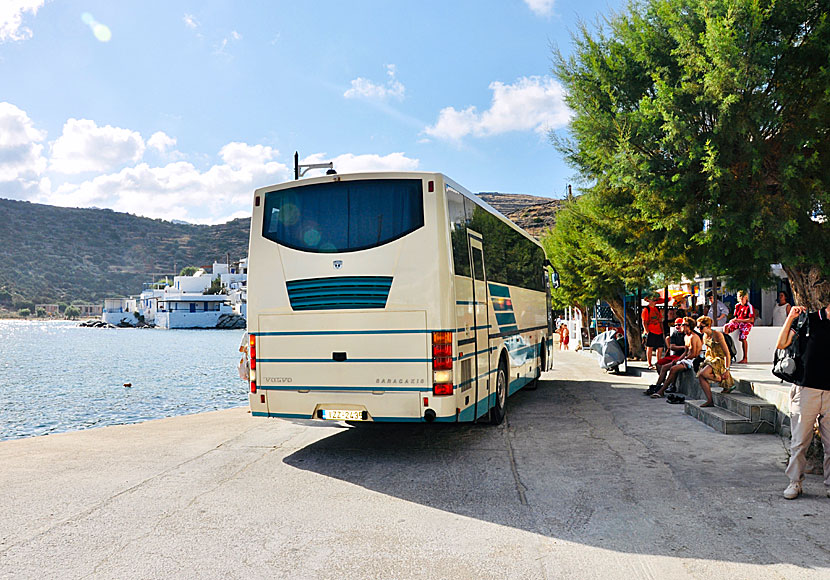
(586, 479)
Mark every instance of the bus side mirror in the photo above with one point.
(554, 279)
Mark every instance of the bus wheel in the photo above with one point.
(498, 411)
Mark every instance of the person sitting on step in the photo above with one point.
(691, 350)
(676, 345)
(716, 364)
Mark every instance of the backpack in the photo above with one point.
(733, 352)
(787, 363)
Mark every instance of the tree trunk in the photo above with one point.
(632, 326)
(811, 288)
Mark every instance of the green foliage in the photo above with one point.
(72, 312)
(216, 287)
(188, 271)
(40, 312)
(702, 125)
(24, 312)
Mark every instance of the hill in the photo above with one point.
(534, 214)
(55, 254)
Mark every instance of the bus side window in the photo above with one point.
(478, 264)
(458, 233)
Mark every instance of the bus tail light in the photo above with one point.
(442, 363)
(442, 389)
(252, 358)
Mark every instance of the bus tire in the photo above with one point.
(498, 411)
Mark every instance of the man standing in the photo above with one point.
(653, 325)
(811, 399)
(721, 309)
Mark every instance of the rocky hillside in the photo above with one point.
(534, 214)
(56, 254)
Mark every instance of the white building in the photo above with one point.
(184, 303)
(118, 310)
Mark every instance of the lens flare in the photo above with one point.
(101, 31)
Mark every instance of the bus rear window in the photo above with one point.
(343, 216)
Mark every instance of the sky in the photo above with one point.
(179, 109)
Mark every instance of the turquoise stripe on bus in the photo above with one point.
(280, 415)
(481, 376)
(517, 384)
(339, 292)
(472, 354)
(500, 291)
(505, 318)
(351, 360)
(449, 419)
(424, 388)
(351, 332)
(344, 332)
(467, 414)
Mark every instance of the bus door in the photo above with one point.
(481, 366)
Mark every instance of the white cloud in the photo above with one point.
(350, 163)
(180, 190)
(161, 141)
(531, 103)
(221, 48)
(84, 146)
(11, 18)
(239, 155)
(540, 7)
(366, 89)
(21, 159)
(213, 193)
(190, 21)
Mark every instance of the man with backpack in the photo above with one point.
(811, 398)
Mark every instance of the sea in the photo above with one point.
(56, 376)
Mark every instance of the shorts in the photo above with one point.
(655, 340)
(744, 327)
(667, 359)
(688, 363)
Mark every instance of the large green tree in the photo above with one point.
(585, 249)
(711, 120)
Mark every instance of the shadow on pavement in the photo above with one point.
(597, 463)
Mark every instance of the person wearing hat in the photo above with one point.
(654, 329)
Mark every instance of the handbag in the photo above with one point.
(787, 363)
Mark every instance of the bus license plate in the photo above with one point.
(342, 415)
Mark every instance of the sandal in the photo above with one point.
(727, 390)
(656, 396)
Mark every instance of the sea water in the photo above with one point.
(57, 376)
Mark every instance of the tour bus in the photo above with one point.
(391, 297)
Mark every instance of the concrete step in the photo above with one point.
(724, 420)
(748, 406)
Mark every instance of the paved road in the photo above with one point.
(587, 479)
